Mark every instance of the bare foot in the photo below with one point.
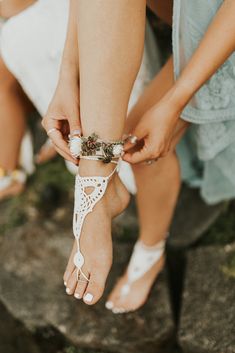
(96, 242)
(14, 189)
(138, 293)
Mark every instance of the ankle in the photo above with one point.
(95, 168)
(151, 241)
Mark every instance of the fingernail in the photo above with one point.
(77, 296)
(109, 305)
(67, 290)
(88, 297)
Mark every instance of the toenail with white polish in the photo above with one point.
(109, 305)
(88, 297)
(65, 283)
(115, 311)
(67, 290)
(77, 296)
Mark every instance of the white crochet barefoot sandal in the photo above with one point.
(84, 204)
(93, 149)
(8, 178)
(142, 260)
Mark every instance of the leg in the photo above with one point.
(158, 187)
(12, 122)
(110, 40)
(162, 8)
(12, 115)
(47, 153)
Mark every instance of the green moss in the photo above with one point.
(222, 232)
(53, 173)
(229, 267)
(50, 185)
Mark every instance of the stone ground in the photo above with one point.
(37, 316)
(190, 310)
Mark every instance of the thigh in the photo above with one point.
(6, 77)
(9, 87)
(13, 7)
(162, 8)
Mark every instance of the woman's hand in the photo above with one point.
(63, 116)
(155, 133)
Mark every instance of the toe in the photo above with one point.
(71, 283)
(94, 290)
(81, 287)
(70, 266)
(114, 295)
(119, 311)
(109, 304)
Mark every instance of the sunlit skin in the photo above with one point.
(155, 119)
(14, 108)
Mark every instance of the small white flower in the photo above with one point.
(117, 150)
(75, 146)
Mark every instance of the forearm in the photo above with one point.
(216, 46)
(70, 61)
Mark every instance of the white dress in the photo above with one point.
(32, 44)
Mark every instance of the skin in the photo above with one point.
(14, 108)
(9, 8)
(156, 121)
(158, 124)
(156, 115)
(101, 81)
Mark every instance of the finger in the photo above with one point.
(139, 156)
(66, 156)
(58, 140)
(136, 135)
(74, 122)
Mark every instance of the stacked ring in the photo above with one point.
(51, 130)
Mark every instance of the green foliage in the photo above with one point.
(50, 185)
(229, 267)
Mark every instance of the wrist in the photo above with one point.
(179, 95)
(69, 70)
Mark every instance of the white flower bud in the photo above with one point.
(117, 150)
(75, 146)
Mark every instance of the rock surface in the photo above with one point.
(32, 261)
(208, 311)
(192, 218)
